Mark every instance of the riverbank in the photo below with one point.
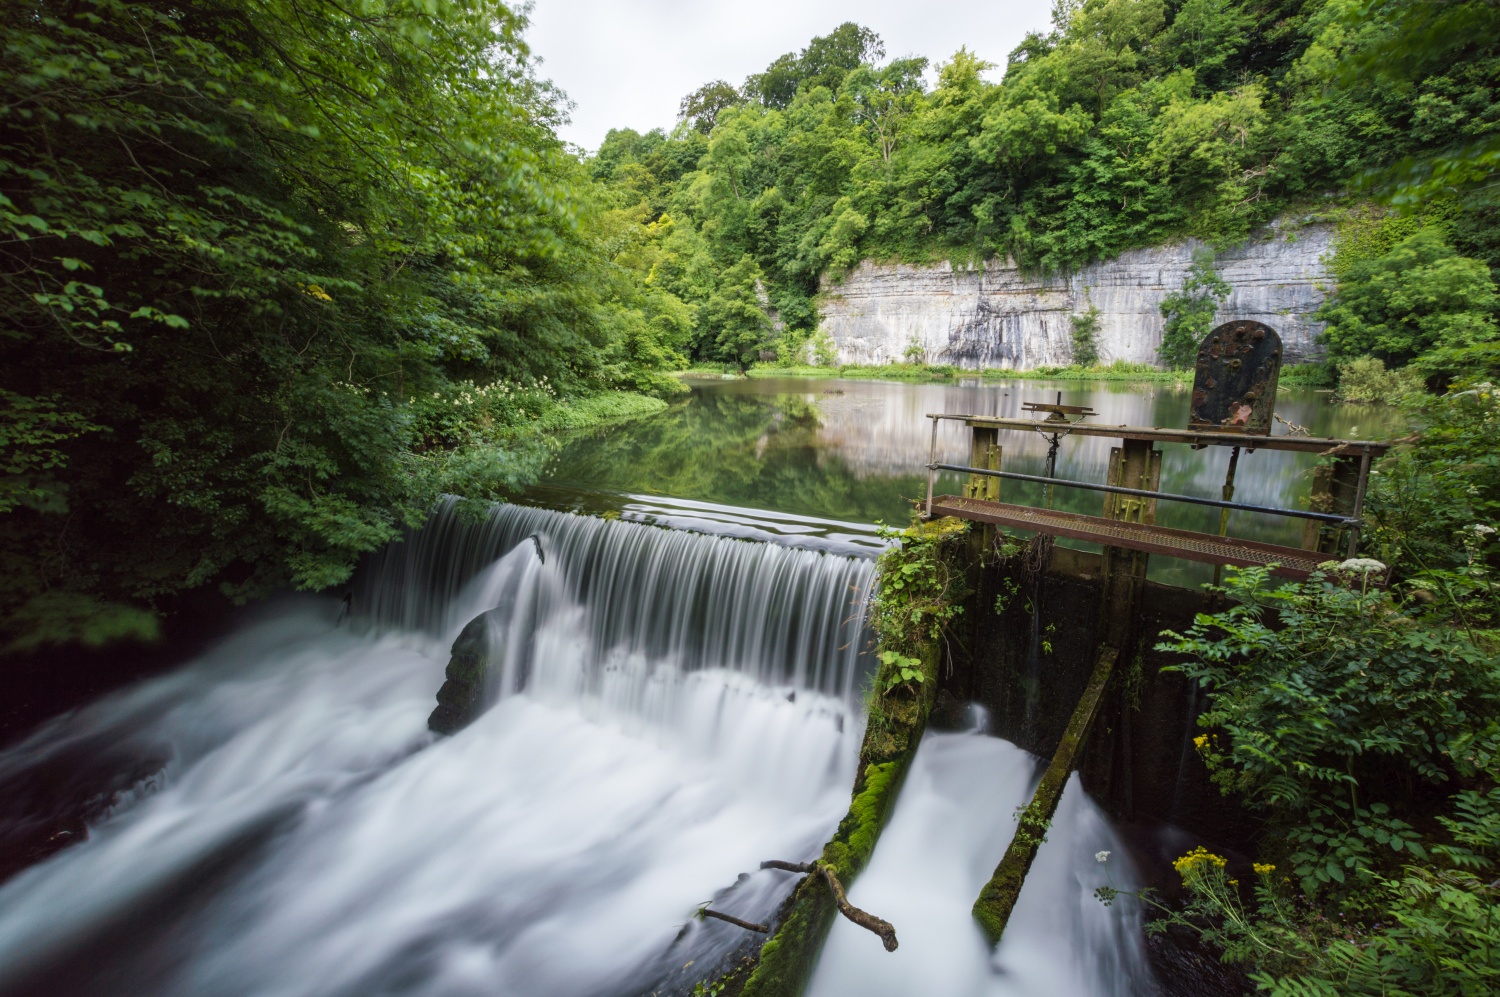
(47, 678)
(1314, 375)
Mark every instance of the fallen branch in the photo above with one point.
(764, 929)
(864, 919)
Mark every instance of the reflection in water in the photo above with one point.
(853, 450)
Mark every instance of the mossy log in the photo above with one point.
(898, 719)
(894, 728)
(998, 898)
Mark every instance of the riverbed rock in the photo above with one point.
(461, 698)
(993, 316)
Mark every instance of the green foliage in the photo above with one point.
(1439, 933)
(1367, 380)
(918, 593)
(1190, 313)
(1086, 338)
(1363, 724)
(1427, 51)
(900, 671)
(1119, 370)
(1436, 498)
(1308, 375)
(1339, 720)
(734, 318)
(700, 109)
(249, 248)
(825, 354)
(824, 63)
(1419, 301)
(1131, 123)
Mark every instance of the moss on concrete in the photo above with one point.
(898, 718)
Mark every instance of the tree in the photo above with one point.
(1086, 337)
(255, 258)
(734, 316)
(886, 98)
(1417, 299)
(1190, 313)
(700, 109)
(825, 62)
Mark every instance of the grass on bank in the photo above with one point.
(1308, 375)
(570, 414)
(1118, 371)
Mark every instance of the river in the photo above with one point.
(670, 707)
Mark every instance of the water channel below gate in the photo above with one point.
(275, 818)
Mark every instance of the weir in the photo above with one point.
(640, 719)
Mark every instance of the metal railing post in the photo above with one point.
(931, 469)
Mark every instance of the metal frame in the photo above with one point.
(1327, 517)
(1191, 437)
(1292, 562)
(1366, 449)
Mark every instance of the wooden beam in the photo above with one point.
(984, 452)
(998, 899)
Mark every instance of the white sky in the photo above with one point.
(626, 63)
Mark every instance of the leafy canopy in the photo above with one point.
(248, 246)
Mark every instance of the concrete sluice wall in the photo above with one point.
(1139, 762)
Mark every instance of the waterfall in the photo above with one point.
(668, 709)
(641, 598)
(940, 847)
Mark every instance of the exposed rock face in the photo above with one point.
(995, 317)
(461, 698)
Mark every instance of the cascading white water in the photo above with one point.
(642, 597)
(673, 708)
(950, 827)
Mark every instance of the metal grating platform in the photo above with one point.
(1292, 562)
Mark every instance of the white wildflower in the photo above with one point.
(1101, 856)
(1362, 565)
(1482, 530)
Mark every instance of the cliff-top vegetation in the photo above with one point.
(1130, 123)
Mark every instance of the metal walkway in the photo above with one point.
(1291, 562)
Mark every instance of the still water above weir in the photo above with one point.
(853, 451)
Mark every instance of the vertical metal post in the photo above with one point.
(931, 459)
(1359, 501)
(1228, 495)
(1052, 466)
(1135, 465)
(984, 452)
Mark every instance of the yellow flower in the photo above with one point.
(1264, 869)
(1197, 862)
(1200, 742)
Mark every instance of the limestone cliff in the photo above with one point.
(995, 317)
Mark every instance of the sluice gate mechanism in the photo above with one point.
(1233, 401)
(1234, 391)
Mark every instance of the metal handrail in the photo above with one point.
(1326, 517)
